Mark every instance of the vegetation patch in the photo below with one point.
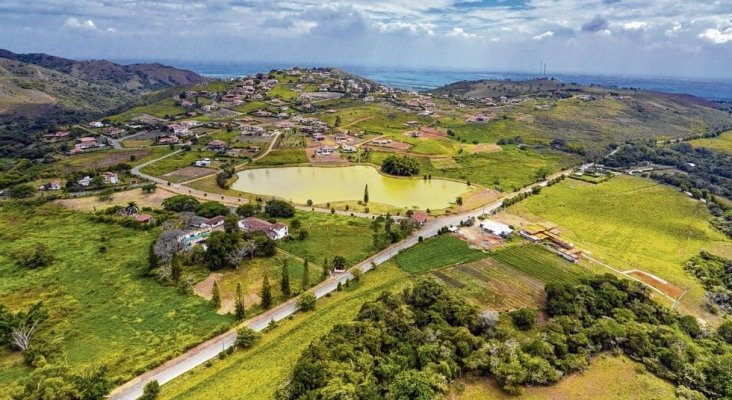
(437, 252)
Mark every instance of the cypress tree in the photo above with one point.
(305, 275)
(285, 280)
(216, 296)
(152, 259)
(240, 310)
(266, 294)
(366, 194)
(326, 270)
(175, 269)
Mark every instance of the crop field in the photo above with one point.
(722, 143)
(494, 285)
(175, 162)
(331, 235)
(632, 223)
(283, 157)
(607, 377)
(539, 263)
(255, 373)
(106, 158)
(441, 251)
(98, 301)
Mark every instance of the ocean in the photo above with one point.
(422, 79)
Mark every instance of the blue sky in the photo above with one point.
(629, 37)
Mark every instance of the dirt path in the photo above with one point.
(356, 121)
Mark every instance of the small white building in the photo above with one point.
(206, 162)
(496, 228)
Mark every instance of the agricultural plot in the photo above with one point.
(329, 236)
(175, 162)
(283, 157)
(187, 173)
(539, 263)
(632, 223)
(106, 158)
(255, 373)
(98, 300)
(607, 377)
(441, 251)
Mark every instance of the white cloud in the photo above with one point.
(75, 23)
(636, 25)
(544, 35)
(460, 32)
(717, 36)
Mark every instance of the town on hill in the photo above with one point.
(308, 233)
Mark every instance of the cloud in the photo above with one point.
(544, 35)
(460, 32)
(597, 24)
(75, 23)
(636, 26)
(717, 36)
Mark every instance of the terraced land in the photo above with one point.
(436, 253)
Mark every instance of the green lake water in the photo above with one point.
(330, 184)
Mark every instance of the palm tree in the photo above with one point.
(131, 208)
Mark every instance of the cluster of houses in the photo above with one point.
(202, 227)
(86, 143)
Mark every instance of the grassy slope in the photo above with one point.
(722, 143)
(283, 157)
(437, 252)
(99, 304)
(631, 223)
(172, 163)
(255, 373)
(606, 378)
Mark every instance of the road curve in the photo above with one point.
(211, 348)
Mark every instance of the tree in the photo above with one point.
(239, 308)
(167, 244)
(326, 269)
(231, 224)
(26, 324)
(688, 324)
(285, 279)
(337, 121)
(153, 261)
(175, 268)
(149, 187)
(536, 189)
(305, 275)
(266, 294)
(181, 203)
(222, 250)
(248, 210)
(400, 166)
(725, 331)
(411, 384)
(210, 209)
(306, 302)
(21, 191)
(295, 224)
(216, 296)
(366, 194)
(524, 318)
(339, 263)
(93, 385)
(279, 209)
(245, 338)
(459, 201)
(150, 391)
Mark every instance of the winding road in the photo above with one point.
(211, 348)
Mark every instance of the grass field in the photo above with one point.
(254, 374)
(437, 252)
(722, 143)
(632, 223)
(331, 235)
(106, 158)
(172, 163)
(159, 109)
(607, 377)
(283, 157)
(99, 303)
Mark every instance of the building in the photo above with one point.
(420, 217)
(206, 162)
(274, 231)
(168, 139)
(53, 185)
(496, 228)
(143, 218)
(348, 149)
(217, 145)
(111, 177)
(86, 143)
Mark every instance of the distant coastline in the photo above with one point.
(416, 79)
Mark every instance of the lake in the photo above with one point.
(331, 184)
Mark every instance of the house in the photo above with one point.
(348, 149)
(168, 139)
(420, 217)
(53, 185)
(143, 218)
(86, 143)
(215, 221)
(217, 145)
(253, 149)
(274, 231)
(114, 131)
(319, 137)
(60, 135)
(206, 162)
(96, 124)
(324, 151)
(111, 177)
(85, 181)
(496, 228)
(263, 113)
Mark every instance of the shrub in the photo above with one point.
(279, 209)
(306, 302)
(524, 319)
(212, 209)
(150, 391)
(400, 166)
(181, 203)
(37, 257)
(247, 210)
(246, 337)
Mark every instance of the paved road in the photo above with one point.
(210, 349)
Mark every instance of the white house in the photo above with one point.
(495, 228)
(206, 162)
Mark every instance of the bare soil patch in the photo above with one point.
(90, 204)
(484, 148)
(188, 173)
(671, 290)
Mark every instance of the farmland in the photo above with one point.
(632, 223)
(174, 162)
(283, 156)
(256, 372)
(539, 263)
(435, 253)
(99, 302)
(722, 143)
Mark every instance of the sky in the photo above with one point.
(614, 37)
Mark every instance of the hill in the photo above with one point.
(133, 77)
